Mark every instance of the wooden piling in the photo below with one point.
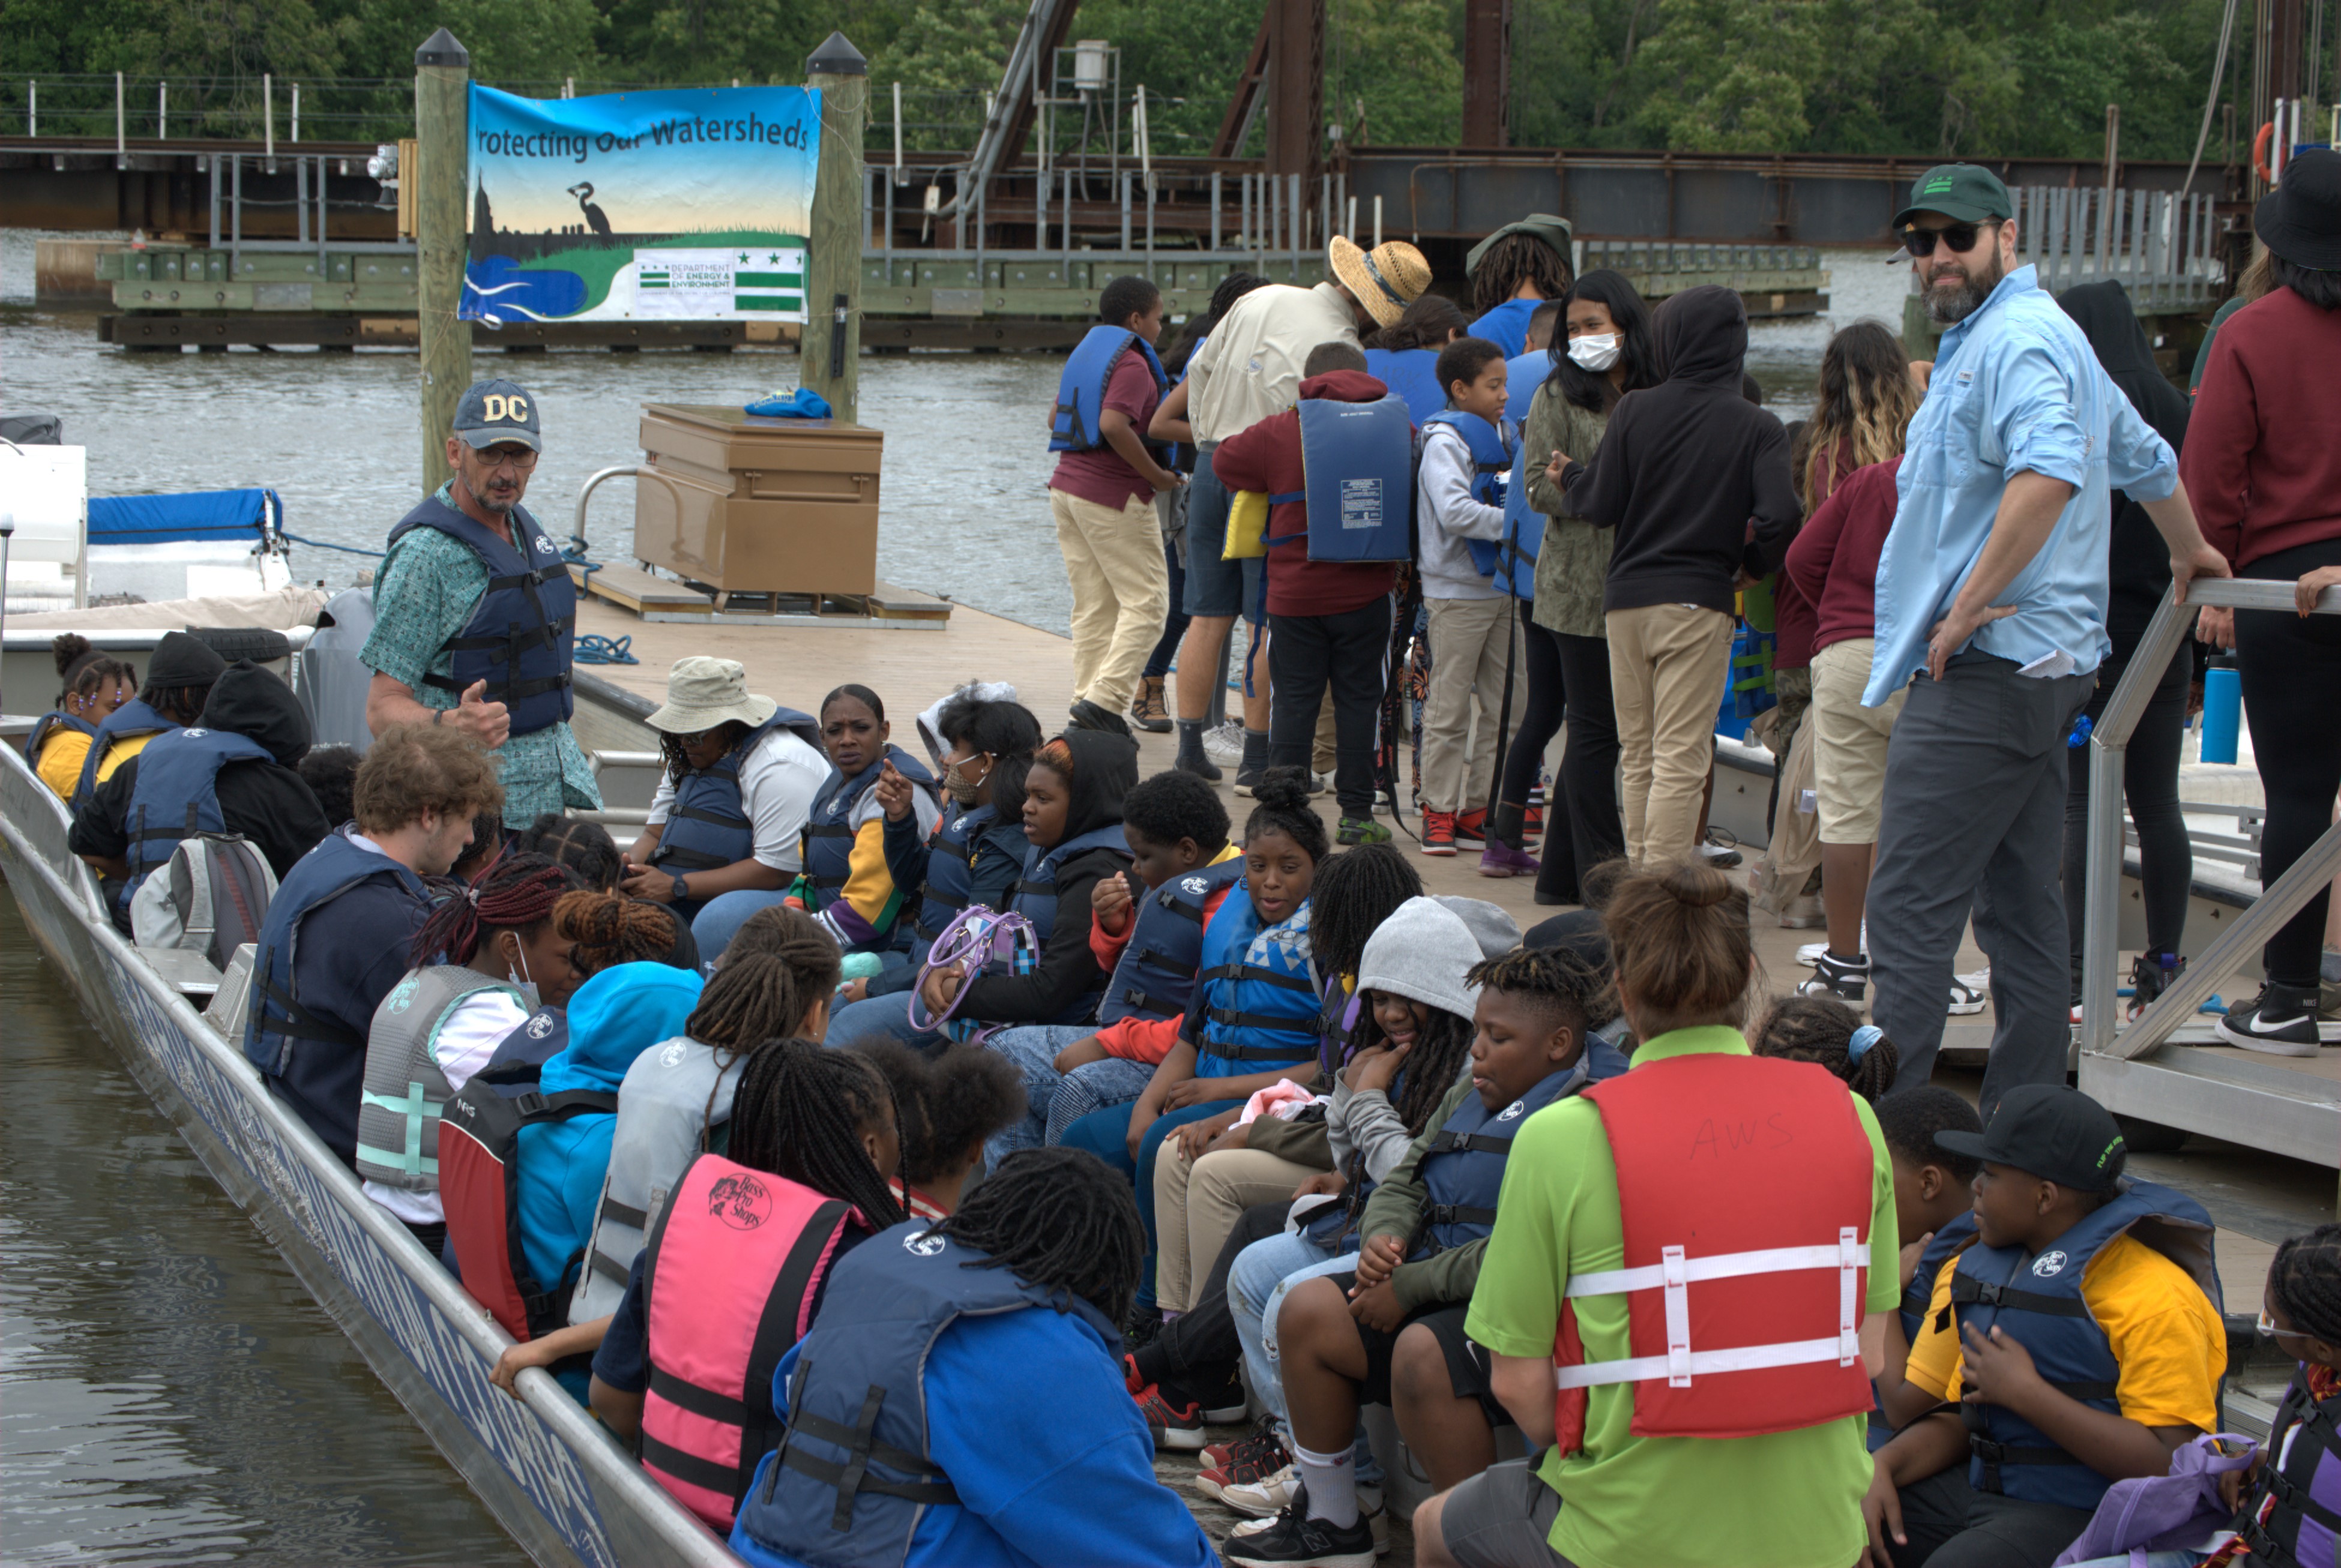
(828, 363)
(443, 73)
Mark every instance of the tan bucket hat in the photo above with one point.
(702, 692)
(1388, 278)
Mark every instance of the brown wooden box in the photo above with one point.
(759, 505)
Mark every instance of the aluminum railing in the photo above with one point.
(2103, 1031)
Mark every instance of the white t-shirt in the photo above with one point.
(467, 1038)
(778, 780)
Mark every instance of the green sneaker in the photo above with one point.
(1361, 830)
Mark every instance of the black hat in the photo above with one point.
(2300, 220)
(1580, 931)
(2057, 1134)
(182, 659)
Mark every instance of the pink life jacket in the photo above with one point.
(714, 1345)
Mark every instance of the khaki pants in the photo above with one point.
(1668, 665)
(1197, 1204)
(1850, 742)
(1122, 592)
(1467, 643)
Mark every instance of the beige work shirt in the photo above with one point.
(1250, 366)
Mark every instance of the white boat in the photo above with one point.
(548, 1472)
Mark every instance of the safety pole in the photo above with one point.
(443, 75)
(829, 361)
(121, 126)
(268, 117)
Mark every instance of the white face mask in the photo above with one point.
(1594, 353)
(519, 981)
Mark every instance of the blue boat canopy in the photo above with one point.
(214, 516)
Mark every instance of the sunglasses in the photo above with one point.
(1958, 236)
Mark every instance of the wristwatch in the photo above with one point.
(679, 890)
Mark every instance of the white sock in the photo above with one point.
(1332, 1482)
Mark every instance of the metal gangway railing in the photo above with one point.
(2105, 1036)
(2161, 247)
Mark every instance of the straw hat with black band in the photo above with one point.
(2300, 220)
(1385, 279)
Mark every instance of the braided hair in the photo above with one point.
(801, 1112)
(1353, 894)
(781, 963)
(83, 669)
(1283, 797)
(607, 929)
(947, 1103)
(585, 847)
(677, 765)
(1557, 982)
(1823, 1030)
(1440, 1050)
(517, 893)
(2305, 1280)
(1056, 1217)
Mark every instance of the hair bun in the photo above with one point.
(1282, 790)
(69, 649)
(1699, 887)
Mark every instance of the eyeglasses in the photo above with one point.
(2268, 1330)
(1958, 236)
(520, 459)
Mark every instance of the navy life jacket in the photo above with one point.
(950, 871)
(2303, 1478)
(176, 794)
(2037, 1301)
(127, 722)
(1462, 1170)
(853, 1475)
(830, 832)
(707, 826)
(1492, 451)
(519, 636)
(1155, 978)
(534, 1041)
(1916, 1297)
(1035, 894)
(1080, 390)
(279, 1022)
(1357, 463)
(48, 724)
(1252, 1016)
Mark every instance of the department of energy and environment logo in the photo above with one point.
(922, 1246)
(693, 285)
(2048, 1264)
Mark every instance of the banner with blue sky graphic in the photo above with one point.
(679, 205)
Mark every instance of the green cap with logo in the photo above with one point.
(1964, 193)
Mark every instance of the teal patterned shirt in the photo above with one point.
(429, 586)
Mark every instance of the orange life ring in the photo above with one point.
(2260, 152)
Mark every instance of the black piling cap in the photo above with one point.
(442, 49)
(837, 56)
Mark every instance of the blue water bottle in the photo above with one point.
(2223, 710)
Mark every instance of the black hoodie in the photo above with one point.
(2139, 564)
(1104, 767)
(1686, 465)
(268, 802)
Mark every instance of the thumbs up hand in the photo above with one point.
(489, 723)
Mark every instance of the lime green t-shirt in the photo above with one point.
(1790, 1500)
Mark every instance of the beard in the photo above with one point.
(1952, 297)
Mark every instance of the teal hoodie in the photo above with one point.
(615, 1017)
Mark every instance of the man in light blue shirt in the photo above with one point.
(1991, 606)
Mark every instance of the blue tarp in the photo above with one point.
(226, 516)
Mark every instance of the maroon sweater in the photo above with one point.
(1267, 457)
(1834, 562)
(2261, 463)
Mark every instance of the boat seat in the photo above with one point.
(183, 969)
(231, 1000)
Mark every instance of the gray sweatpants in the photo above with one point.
(1974, 819)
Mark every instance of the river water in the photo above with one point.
(172, 1393)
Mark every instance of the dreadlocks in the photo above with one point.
(801, 1112)
(1823, 1030)
(775, 969)
(1557, 981)
(1056, 1217)
(1441, 1048)
(946, 1105)
(605, 929)
(1354, 893)
(515, 894)
(2306, 1280)
(1514, 259)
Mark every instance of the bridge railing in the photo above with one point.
(2159, 245)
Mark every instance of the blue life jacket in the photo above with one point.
(127, 722)
(1507, 325)
(707, 826)
(1916, 1295)
(1523, 373)
(852, 1477)
(1080, 390)
(279, 1024)
(1516, 552)
(1462, 1170)
(1035, 896)
(1155, 978)
(830, 832)
(1412, 376)
(519, 636)
(176, 794)
(951, 871)
(534, 1041)
(2037, 1301)
(1357, 460)
(1249, 1018)
(1492, 454)
(48, 724)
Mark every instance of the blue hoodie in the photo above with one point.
(615, 1017)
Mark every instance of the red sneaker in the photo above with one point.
(1173, 1427)
(1245, 1463)
(1472, 827)
(1532, 823)
(1439, 832)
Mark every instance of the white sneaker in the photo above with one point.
(1263, 1500)
(1225, 744)
(1810, 953)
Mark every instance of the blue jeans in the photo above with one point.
(1263, 1275)
(1053, 1100)
(886, 1018)
(1106, 1133)
(720, 919)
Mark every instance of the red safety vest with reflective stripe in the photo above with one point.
(729, 1278)
(1745, 1185)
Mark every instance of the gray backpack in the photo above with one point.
(211, 899)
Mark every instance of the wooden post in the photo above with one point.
(829, 361)
(443, 71)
